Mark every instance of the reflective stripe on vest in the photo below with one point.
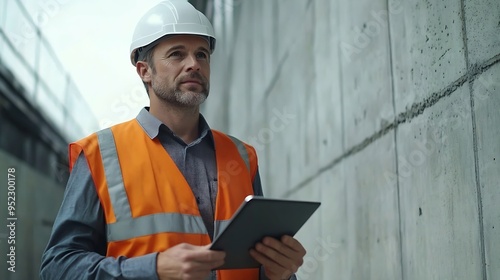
(242, 150)
(127, 227)
(113, 173)
(155, 223)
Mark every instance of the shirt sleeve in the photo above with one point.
(77, 245)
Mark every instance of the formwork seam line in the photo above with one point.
(396, 167)
(415, 110)
(474, 71)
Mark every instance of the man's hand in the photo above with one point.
(280, 259)
(188, 262)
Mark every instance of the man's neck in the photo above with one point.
(183, 122)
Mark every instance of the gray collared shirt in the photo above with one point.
(77, 246)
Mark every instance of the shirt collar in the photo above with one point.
(151, 125)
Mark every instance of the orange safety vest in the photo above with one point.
(148, 204)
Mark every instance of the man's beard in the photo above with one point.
(175, 96)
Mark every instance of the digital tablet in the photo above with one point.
(256, 218)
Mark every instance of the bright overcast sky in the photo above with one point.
(92, 39)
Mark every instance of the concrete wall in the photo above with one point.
(387, 112)
(37, 202)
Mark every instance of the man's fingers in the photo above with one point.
(283, 258)
(280, 258)
(208, 259)
(294, 244)
(266, 261)
(203, 254)
(272, 268)
(188, 262)
(202, 266)
(279, 246)
(286, 249)
(200, 257)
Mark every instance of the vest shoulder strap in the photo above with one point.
(246, 151)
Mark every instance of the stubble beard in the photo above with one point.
(179, 98)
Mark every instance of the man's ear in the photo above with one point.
(143, 70)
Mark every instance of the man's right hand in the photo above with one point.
(188, 262)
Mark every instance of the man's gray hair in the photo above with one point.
(146, 55)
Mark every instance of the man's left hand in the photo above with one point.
(280, 258)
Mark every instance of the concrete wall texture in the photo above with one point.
(386, 111)
(37, 202)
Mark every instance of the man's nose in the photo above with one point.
(192, 63)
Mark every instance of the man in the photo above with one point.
(145, 197)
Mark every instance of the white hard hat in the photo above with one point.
(169, 18)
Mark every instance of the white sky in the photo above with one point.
(92, 40)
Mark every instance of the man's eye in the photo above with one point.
(175, 54)
(201, 55)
